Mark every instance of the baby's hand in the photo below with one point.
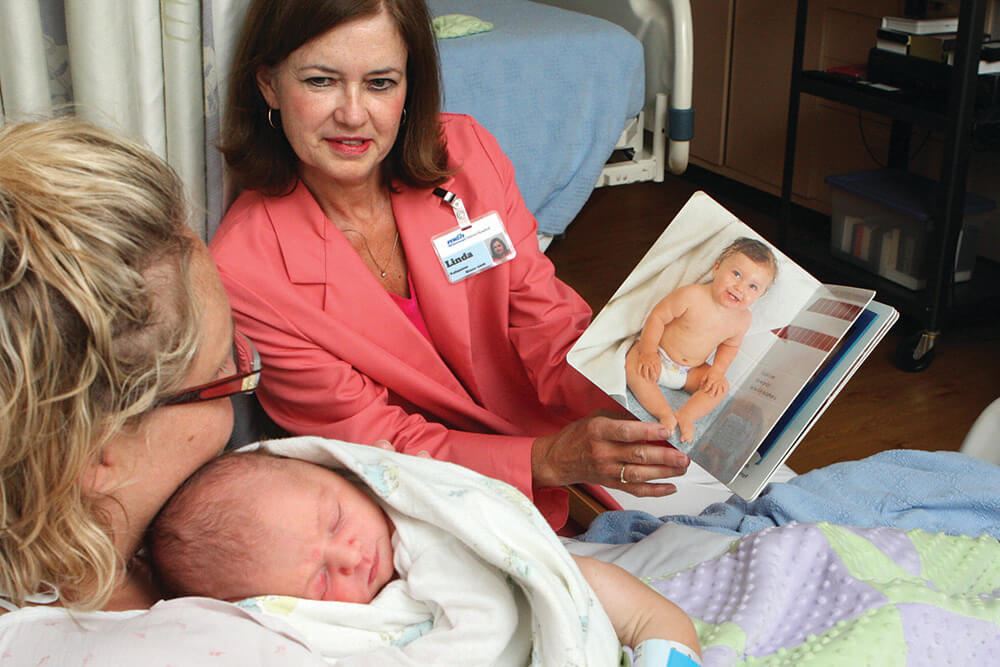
(715, 383)
(649, 366)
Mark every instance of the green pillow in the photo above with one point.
(459, 25)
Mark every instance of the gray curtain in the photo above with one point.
(153, 70)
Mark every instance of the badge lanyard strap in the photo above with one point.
(457, 206)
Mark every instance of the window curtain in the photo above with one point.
(152, 70)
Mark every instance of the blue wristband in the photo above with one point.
(664, 653)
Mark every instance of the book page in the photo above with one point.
(736, 431)
(870, 327)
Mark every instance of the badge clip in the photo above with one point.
(453, 200)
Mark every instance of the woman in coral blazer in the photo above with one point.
(328, 261)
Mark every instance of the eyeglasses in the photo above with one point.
(243, 381)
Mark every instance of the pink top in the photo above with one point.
(411, 308)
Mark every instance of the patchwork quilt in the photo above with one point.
(820, 594)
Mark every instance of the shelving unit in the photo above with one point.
(954, 119)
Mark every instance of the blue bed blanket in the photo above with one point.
(941, 492)
(554, 87)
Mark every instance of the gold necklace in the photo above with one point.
(392, 253)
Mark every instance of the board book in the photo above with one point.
(805, 340)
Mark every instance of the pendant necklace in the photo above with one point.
(392, 253)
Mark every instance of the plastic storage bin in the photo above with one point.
(880, 221)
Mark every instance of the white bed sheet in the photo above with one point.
(696, 490)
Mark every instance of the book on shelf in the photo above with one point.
(892, 46)
(989, 53)
(908, 247)
(891, 259)
(937, 48)
(915, 45)
(862, 242)
(965, 254)
(901, 254)
(904, 271)
(989, 59)
(889, 248)
(847, 236)
(804, 342)
(920, 26)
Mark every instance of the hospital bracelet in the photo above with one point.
(664, 653)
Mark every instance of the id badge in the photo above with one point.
(476, 248)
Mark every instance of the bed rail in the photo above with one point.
(666, 31)
(681, 120)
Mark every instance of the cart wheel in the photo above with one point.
(916, 352)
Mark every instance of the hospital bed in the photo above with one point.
(563, 90)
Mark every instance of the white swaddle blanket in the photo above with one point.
(483, 579)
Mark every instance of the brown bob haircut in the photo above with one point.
(260, 156)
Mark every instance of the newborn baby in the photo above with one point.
(252, 524)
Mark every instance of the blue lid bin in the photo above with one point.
(880, 221)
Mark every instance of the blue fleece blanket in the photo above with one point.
(940, 492)
(554, 87)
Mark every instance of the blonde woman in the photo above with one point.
(117, 355)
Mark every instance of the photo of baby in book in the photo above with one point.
(690, 325)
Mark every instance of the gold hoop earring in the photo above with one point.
(270, 118)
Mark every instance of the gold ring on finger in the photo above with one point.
(621, 475)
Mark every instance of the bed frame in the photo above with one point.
(668, 114)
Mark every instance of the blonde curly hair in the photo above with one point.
(87, 341)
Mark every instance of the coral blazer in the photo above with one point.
(341, 360)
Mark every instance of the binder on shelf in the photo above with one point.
(923, 78)
(926, 80)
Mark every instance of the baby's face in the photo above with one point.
(324, 538)
(739, 281)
